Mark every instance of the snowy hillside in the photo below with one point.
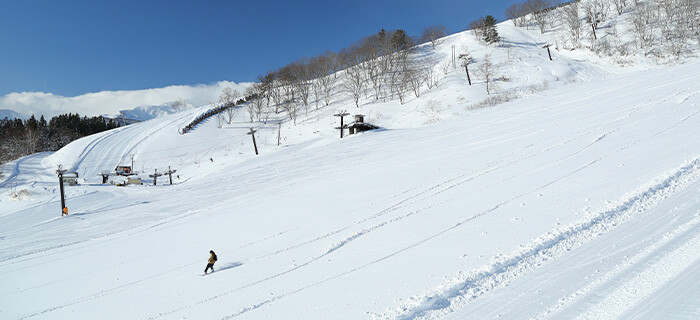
(6, 113)
(577, 198)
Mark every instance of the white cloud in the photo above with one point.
(111, 102)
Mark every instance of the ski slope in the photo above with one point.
(578, 200)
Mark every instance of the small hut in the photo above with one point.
(360, 125)
(123, 171)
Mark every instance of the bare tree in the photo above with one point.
(596, 12)
(316, 73)
(265, 85)
(255, 103)
(466, 60)
(679, 22)
(31, 140)
(277, 95)
(228, 99)
(219, 120)
(477, 27)
(620, 6)
(370, 51)
(301, 80)
(327, 76)
(399, 86)
(228, 96)
(513, 13)
(292, 109)
(430, 74)
(642, 17)
(414, 79)
(487, 70)
(539, 9)
(354, 84)
(571, 19)
(445, 67)
(433, 33)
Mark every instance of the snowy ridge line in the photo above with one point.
(467, 287)
(648, 251)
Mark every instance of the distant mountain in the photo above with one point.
(144, 113)
(6, 113)
(110, 102)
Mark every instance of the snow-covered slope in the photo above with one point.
(579, 198)
(7, 113)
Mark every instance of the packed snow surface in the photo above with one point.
(578, 199)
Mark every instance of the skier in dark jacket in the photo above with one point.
(212, 260)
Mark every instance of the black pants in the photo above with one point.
(209, 265)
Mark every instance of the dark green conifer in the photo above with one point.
(490, 30)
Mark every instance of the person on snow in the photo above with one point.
(212, 259)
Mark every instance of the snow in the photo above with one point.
(579, 198)
(7, 113)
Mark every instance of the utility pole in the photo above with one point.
(60, 172)
(155, 176)
(279, 133)
(341, 114)
(548, 52)
(252, 133)
(170, 174)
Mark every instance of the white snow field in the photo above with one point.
(580, 199)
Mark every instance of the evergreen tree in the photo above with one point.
(19, 138)
(400, 40)
(490, 34)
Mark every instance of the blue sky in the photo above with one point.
(75, 47)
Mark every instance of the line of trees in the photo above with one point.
(378, 67)
(532, 12)
(659, 27)
(225, 110)
(19, 138)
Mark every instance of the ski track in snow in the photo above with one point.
(635, 284)
(404, 203)
(554, 245)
